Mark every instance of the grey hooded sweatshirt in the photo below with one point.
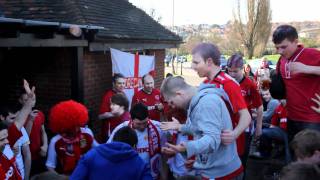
(207, 117)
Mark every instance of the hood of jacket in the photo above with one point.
(116, 151)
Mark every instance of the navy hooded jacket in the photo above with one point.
(116, 161)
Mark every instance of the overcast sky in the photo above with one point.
(220, 11)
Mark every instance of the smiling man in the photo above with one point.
(150, 97)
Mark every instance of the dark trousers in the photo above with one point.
(293, 127)
(38, 166)
(268, 134)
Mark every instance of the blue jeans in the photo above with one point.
(268, 134)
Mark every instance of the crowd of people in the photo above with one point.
(178, 131)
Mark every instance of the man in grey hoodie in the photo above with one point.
(207, 117)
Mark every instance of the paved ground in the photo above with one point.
(189, 74)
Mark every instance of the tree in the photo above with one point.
(154, 15)
(256, 30)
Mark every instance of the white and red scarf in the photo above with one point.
(154, 145)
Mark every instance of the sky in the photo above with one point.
(220, 11)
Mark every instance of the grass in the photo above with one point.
(273, 58)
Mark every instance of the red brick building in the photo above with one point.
(36, 44)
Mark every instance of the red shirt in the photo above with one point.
(279, 118)
(106, 101)
(110, 123)
(179, 114)
(149, 100)
(69, 151)
(8, 168)
(13, 134)
(300, 88)
(250, 93)
(36, 136)
(232, 88)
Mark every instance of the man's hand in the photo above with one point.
(317, 101)
(228, 137)
(297, 67)
(118, 111)
(43, 150)
(159, 106)
(173, 125)
(176, 148)
(168, 152)
(31, 97)
(189, 164)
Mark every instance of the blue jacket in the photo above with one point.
(114, 161)
(207, 117)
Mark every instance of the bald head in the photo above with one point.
(148, 83)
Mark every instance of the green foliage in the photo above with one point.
(309, 42)
(273, 58)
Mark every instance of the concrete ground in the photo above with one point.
(188, 74)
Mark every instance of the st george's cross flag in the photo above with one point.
(133, 67)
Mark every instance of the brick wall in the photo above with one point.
(97, 78)
(46, 68)
(160, 55)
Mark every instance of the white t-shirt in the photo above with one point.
(177, 162)
(22, 141)
(7, 151)
(142, 146)
(52, 155)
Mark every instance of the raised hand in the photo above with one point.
(27, 106)
(31, 97)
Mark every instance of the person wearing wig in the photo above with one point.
(68, 119)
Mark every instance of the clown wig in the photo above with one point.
(67, 116)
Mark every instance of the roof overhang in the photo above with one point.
(30, 33)
(130, 46)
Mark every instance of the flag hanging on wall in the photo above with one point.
(133, 67)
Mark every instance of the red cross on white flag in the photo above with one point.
(133, 67)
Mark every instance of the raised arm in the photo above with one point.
(27, 106)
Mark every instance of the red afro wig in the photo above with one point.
(67, 116)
